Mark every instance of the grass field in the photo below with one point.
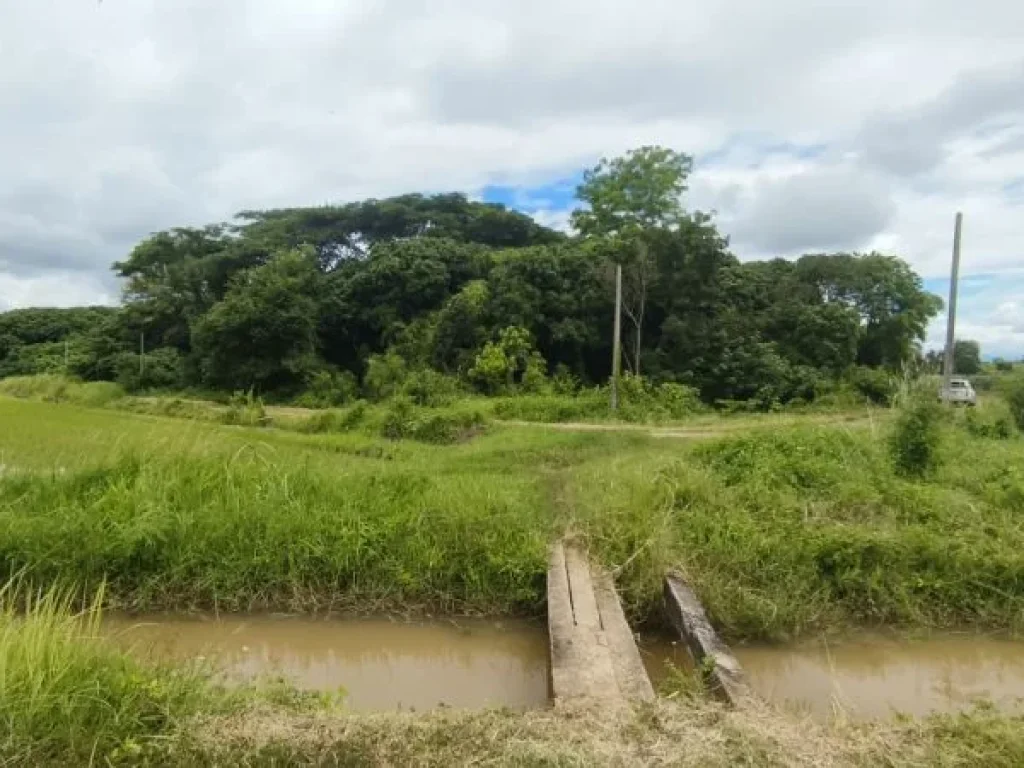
(783, 531)
(786, 527)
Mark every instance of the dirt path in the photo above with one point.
(708, 431)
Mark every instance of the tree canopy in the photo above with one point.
(275, 300)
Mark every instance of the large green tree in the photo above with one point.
(263, 334)
(966, 357)
(888, 295)
(627, 199)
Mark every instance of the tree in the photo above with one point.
(894, 307)
(966, 357)
(627, 197)
(343, 233)
(263, 334)
(503, 365)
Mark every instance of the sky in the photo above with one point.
(814, 127)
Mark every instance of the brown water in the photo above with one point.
(381, 664)
(872, 677)
(384, 664)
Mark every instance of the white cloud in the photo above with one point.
(121, 118)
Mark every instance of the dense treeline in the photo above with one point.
(364, 295)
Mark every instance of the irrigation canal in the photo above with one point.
(586, 651)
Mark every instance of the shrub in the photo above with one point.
(404, 421)
(641, 401)
(564, 381)
(678, 399)
(447, 428)
(1014, 392)
(163, 369)
(430, 388)
(991, 421)
(916, 437)
(552, 409)
(508, 364)
(334, 419)
(246, 409)
(329, 388)
(876, 384)
(385, 375)
(398, 420)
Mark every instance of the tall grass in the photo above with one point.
(239, 533)
(784, 532)
(66, 697)
(812, 530)
(54, 388)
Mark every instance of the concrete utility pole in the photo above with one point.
(617, 340)
(947, 368)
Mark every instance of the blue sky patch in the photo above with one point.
(556, 195)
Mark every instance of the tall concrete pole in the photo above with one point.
(947, 368)
(617, 340)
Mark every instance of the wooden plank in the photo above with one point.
(561, 626)
(630, 673)
(709, 652)
(581, 662)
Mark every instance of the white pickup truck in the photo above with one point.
(959, 392)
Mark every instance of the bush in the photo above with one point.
(552, 409)
(329, 388)
(992, 421)
(509, 364)
(246, 409)
(404, 421)
(163, 369)
(385, 375)
(916, 437)
(564, 381)
(398, 420)
(430, 388)
(1014, 392)
(641, 401)
(876, 384)
(334, 419)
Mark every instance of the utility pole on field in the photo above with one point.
(617, 340)
(947, 368)
(142, 354)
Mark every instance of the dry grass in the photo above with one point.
(661, 734)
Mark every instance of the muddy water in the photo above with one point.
(872, 677)
(381, 664)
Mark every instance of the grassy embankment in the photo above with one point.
(782, 532)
